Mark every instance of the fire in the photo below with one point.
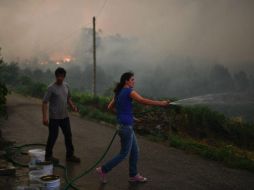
(60, 58)
(67, 58)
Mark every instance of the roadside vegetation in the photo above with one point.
(3, 91)
(3, 112)
(196, 129)
(202, 131)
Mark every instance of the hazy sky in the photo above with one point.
(214, 29)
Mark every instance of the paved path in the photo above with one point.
(166, 167)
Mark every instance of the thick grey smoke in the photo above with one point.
(32, 28)
(214, 30)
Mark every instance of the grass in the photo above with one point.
(228, 154)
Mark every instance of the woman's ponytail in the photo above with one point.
(125, 77)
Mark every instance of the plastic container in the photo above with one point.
(46, 167)
(34, 175)
(50, 182)
(37, 155)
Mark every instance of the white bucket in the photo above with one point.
(35, 175)
(37, 155)
(50, 182)
(46, 167)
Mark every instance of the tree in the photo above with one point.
(220, 79)
(3, 89)
(241, 81)
(10, 73)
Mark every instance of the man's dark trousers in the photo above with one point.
(54, 124)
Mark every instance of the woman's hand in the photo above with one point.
(137, 119)
(165, 103)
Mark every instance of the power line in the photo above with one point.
(103, 6)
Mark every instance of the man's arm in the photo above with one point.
(45, 120)
(45, 101)
(72, 105)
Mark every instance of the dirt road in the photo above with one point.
(167, 168)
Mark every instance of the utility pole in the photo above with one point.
(94, 58)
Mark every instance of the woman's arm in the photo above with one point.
(111, 104)
(135, 96)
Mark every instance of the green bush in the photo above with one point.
(241, 133)
(3, 93)
(99, 102)
(3, 89)
(216, 125)
(202, 121)
(35, 89)
(94, 113)
(197, 122)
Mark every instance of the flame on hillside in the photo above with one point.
(59, 58)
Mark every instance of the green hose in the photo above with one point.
(66, 177)
(94, 165)
(69, 182)
(9, 153)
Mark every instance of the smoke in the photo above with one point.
(216, 30)
(32, 28)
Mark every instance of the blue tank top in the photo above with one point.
(124, 107)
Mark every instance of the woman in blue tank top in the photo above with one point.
(122, 102)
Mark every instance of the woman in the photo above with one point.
(122, 101)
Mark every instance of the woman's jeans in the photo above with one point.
(128, 145)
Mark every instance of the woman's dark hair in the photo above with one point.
(60, 71)
(125, 76)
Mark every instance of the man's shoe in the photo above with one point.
(73, 159)
(52, 159)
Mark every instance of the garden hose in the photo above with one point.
(17, 149)
(94, 165)
(69, 182)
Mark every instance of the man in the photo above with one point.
(58, 96)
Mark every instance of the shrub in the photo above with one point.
(93, 113)
(3, 93)
(35, 89)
